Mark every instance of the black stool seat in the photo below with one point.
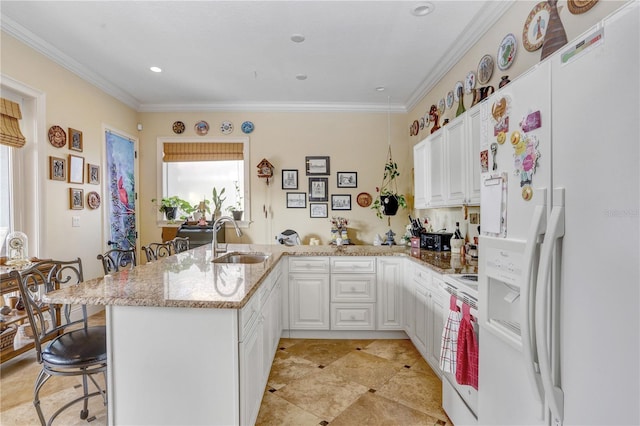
(77, 348)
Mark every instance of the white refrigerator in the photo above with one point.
(559, 281)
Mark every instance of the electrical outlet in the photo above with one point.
(75, 221)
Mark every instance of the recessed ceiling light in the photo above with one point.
(380, 88)
(301, 76)
(297, 38)
(422, 9)
(156, 69)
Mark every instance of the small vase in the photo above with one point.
(237, 214)
(461, 108)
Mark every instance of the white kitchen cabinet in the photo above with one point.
(435, 168)
(420, 175)
(251, 372)
(353, 293)
(421, 278)
(408, 299)
(447, 164)
(389, 289)
(473, 156)
(309, 293)
(436, 318)
(455, 157)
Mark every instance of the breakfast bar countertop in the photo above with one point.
(191, 280)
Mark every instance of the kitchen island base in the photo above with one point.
(170, 366)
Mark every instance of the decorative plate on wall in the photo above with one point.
(456, 90)
(364, 199)
(57, 136)
(485, 69)
(226, 127)
(202, 128)
(535, 27)
(507, 51)
(178, 127)
(247, 127)
(449, 99)
(580, 6)
(470, 82)
(93, 200)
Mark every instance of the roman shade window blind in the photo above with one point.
(201, 151)
(10, 133)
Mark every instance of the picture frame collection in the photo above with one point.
(318, 170)
(73, 168)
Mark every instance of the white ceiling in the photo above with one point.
(238, 55)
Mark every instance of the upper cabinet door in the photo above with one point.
(456, 161)
(420, 175)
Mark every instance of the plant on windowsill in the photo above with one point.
(217, 200)
(236, 209)
(389, 200)
(170, 206)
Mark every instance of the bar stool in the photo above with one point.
(180, 244)
(78, 352)
(118, 259)
(154, 251)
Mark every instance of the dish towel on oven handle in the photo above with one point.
(449, 344)
(467, 354)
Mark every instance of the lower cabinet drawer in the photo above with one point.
(353, 316)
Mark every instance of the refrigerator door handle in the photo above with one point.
(554, 395)
(527, 293)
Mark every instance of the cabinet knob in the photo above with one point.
(353, 289)
(353, 317)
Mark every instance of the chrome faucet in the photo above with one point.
(216, 227)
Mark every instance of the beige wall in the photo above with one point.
(70, 102)
(353, 141)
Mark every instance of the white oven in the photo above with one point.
(460, 402)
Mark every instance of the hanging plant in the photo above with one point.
(389, 200)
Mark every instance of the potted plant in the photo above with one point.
(389, 200)
(217, 200)
(200, 209)
(236, 209)
(170, 205)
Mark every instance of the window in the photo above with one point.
(190, 170)
(19, 184)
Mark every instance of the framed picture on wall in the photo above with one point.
(318, 189)
(347, 179)
(341, 202)
(76, 169)
(318, 210)
(76, 199)
(57, 168)
(93, 174)
(289, 179)
(296, 200)
(75, 139)
(317, 165)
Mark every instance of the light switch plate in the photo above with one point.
(75, 221)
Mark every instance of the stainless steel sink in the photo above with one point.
(240, 257)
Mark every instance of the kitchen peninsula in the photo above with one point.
(191, 341)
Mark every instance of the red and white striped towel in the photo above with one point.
(449, 344)
(467, 354)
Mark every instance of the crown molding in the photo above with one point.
(45, 48)
(274, 107)
(480, 24)
(484, 20)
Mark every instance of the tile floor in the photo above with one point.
(351, 382)
(312, 382)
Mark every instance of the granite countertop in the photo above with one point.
(191, 280)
